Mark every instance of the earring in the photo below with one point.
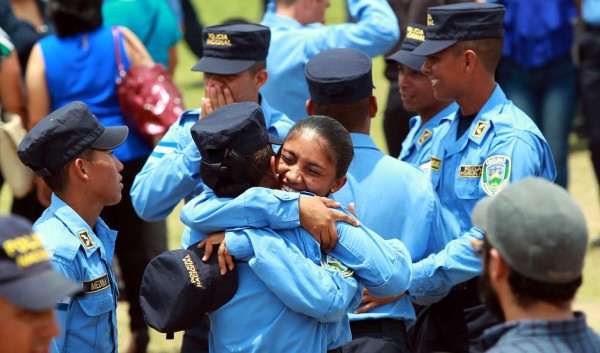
(332, 191)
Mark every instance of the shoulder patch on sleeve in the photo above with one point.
(495, 174)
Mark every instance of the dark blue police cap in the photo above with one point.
(231, 49)
(27, 279)
(415, 36)
(239, 126)
(449, 24)
(178, 288)
(63, 135)
(339, 76)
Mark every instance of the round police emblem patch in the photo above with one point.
(496, 174)
(330, 262)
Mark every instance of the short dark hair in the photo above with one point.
(59, 178)
(489, 51)
(527, 291)
(351, 115)
(339, 147)
(257, 66)
(72, 17)
(244, 172)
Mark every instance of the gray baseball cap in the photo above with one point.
(538, 228)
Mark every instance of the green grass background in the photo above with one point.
(582, 181)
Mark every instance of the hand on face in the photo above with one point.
(216, 97)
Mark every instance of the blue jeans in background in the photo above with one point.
(548, 95)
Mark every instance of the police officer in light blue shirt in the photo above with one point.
(234, 69)
(299, 33)
(289, 295)
(73, 153)
(490, 144)
(417, 95)
(392, 197)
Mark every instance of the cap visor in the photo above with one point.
(274, 140)
(430, 47)
(222, 66)
(414, 62)
(111, 138)
(40, 291)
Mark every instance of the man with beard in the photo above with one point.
(533, 250)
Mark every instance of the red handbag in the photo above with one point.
(149, 99)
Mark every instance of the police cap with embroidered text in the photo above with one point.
(231, 49)
(178, 288)
(63, 135)
(449, 24)
(415, 36)
(27, 279)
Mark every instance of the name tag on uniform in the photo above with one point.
(470, 171)
(96, 285)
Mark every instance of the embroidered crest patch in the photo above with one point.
(86, 240)
(330, 262)
(436, 163)
(496, 174)
(480, 128)
(426, 135)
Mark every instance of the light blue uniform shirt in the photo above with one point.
(590, 11)
(416, 147)
(293, 44)
(501, 146)
(285, 299)
(87, 323)
(384, 267)
(396, 201)
(172, 172)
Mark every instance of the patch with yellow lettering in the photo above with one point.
(480, 128)
(96, 284)
(86, 240)
(430, 20)
(218, 39)
(496, 174)
(426, 135)
(26, 250)
(192, 272)
(470, 171)
(330, 262)
(436, 163)
(415, 33)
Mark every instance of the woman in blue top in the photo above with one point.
(78, 63)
